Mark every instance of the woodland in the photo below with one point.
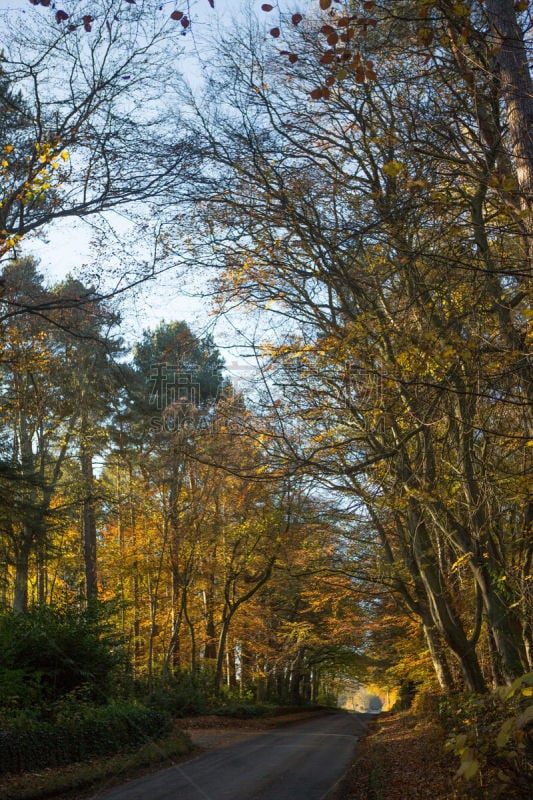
(352, 182)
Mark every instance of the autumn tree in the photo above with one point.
(73, 142)
(369, 222)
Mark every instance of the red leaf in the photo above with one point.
(293, 58)
(177, 15)
(267, 7)
(88, 27)
(87, 19)
(296, 19)
(325, 4)
(61, 16)
(275, 32)
(185, 22)
(316, 94)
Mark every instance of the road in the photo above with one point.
(300, 762)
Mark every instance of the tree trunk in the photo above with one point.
(438, 657)
(89, 524)
(448, 625)
(517, 91)
(22, 557)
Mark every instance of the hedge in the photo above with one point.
(107, 731)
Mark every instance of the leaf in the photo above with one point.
(504, 733)
(325, 4)
(296, 19)
(424, 36)
(275, 32)
(392, 168)
(177, 15)
(468, 769)
(211, 3)
(267, 7)
(524, 718)
(61, 16)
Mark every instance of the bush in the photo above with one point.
(243, 710)
(95, 732)
(493, 737)
(48, 653)
(181, 695)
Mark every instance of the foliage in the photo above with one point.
(243, 710)
(75, 777)
(48, 653)
(182, 694)
(494, 738)
(96, 732)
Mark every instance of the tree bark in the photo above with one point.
(517, 91)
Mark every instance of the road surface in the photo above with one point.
(301, 762)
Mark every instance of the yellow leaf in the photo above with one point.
(468, 769)
(392, 168)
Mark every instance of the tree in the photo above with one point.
(353, 222)
(50, 367)
(73, 142)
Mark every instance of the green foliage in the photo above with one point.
(89, 734)
(494, 732)
(49, 783)
(182, 695)
(48, 653)
(243, 710)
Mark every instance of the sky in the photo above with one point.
(67, 246)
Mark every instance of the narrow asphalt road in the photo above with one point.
(301, 762)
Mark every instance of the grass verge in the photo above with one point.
(64, 781)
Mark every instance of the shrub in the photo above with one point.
(181, 695)
(243, 710)
(98, 731)
(494, 734)
(47, 653)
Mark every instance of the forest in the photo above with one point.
(349, 185)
